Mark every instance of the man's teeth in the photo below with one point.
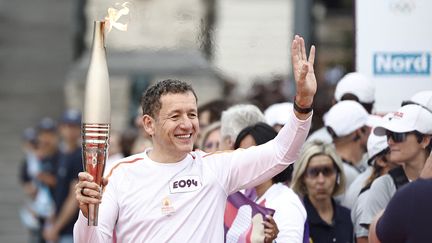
(184, 136)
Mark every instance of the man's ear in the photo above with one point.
(149, 124)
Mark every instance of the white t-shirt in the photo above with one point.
(290, 214)
(147, 201)
(354, 189)
(350, 174)
(380, 193)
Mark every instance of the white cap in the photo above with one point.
(376, 144)
(407, 119)
(347, 116)
(277, 113)
(423, 98)
(358, 85)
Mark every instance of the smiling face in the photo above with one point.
(320, 178)
(175, 127)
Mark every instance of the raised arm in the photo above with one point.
(306, 85)
(250, 167)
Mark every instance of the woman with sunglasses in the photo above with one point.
(318, 177)
(409, 136)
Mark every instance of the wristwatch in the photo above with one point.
(300, 109)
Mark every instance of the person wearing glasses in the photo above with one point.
(319, 176)
(210, 138)
(408, 134)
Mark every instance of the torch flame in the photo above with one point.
(114, 14)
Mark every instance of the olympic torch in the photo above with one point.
(97, 114)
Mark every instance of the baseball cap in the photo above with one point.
(377, 144)
(347, 116)
(422, 98)
(277, 113)
(72, 117)
(358, 85)
(407, 119)
(47, 124)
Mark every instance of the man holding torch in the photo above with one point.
(171, 194)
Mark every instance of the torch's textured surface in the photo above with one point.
(97, 106)
(95, 150)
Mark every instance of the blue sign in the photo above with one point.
(390, 63)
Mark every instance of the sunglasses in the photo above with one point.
(210, 145)
(325, 170)
(399, 137)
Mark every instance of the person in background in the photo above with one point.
(60, 228)
(353, 191)
(30, 165)
(208, 114)
(407, 216)
(48, 154)
(349, 125)
(135, 139)
(114, 151)
(353, 86)
(29, 169)
(290, 214)
(210, 138)
(234, 119)
(422, 98)
(378, 152)
(318, 177)
(409, 135)
(211, 112)
(275, 114)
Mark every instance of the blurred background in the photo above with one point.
(238, 50)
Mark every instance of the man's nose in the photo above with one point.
(186, 122)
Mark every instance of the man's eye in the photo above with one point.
(175, 117)
(192, 115)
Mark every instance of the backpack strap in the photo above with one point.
(399, 177)
(365, 188)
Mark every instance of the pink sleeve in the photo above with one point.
(246, 168)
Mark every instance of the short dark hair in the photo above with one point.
(150, 100)
(215, 108)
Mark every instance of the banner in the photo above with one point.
(243, 220)
(394, 48)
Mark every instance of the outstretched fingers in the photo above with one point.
(303, 49)
(311, 59)
(295, 51)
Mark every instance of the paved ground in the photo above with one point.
(35, 53)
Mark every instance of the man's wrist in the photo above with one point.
(303, 106)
